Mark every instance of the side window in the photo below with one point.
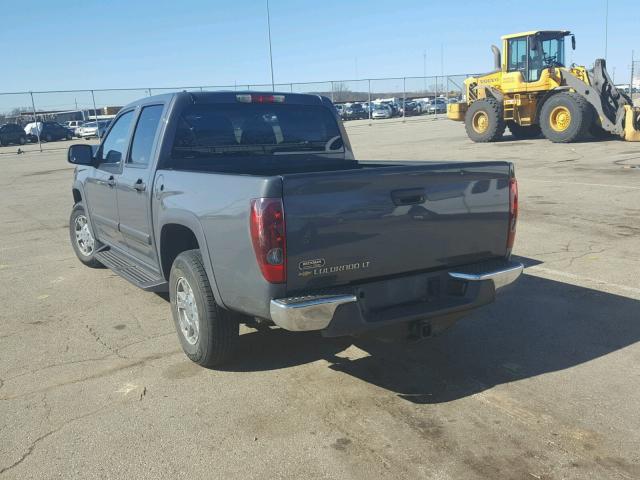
(517, 55)
(115, 145)
(145, 134)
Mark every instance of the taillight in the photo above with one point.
(253, 98)
(269, 238)
(513, 213)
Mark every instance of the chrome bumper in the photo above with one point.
(315, 312)
(500, 276)
(307, 313)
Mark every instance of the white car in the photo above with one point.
(93, 129)
(381, 111)
(74, 126)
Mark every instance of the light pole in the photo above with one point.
(273, 84)
(606, 29)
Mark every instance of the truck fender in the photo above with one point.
(190, 221)
(79, 186)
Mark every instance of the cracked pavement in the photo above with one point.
(542, 384)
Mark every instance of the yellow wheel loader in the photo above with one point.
(531, 91)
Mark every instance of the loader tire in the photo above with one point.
(522, 132)
(566, 117)
(484, 121)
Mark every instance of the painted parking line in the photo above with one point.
(583, 281)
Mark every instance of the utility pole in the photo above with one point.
(424, 68)
(631, 80)
(273, 84)
(606, 29)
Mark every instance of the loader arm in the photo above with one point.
(613, 107)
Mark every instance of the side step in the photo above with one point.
(129, 270)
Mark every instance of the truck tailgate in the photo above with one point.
(348, 226)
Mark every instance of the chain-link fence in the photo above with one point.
(37, 112)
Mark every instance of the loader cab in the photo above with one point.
(531, 52)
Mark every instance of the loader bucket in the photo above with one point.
(631, 124)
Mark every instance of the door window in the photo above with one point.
(145, 134)
(115, 145)
(518, 56)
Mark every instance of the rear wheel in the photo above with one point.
(522, 132)
(565, 117)
(483, 121)
(22, 140)
(208, 334)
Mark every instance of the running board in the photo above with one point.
(138, 275)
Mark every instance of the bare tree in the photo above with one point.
(341, 92)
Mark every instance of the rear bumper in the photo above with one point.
(378, 304)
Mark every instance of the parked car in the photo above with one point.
(263, 189)
(410, 108)
(12, 133)
(354, 111)
(49, 131)
(339, 109)
(437, 105)
(93, 129)
(381, 110)
(74, 126)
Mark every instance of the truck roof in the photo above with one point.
(231, 97)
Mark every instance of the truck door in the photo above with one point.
(135, 189)
(100, 188)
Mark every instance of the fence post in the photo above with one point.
(95, 114)
(149, 91)
(404, 98)
(35, 119)
(332, 100)
(369, 81)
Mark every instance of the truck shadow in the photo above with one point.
(538, 326)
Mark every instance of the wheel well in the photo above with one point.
(77, 197)
(175, 239)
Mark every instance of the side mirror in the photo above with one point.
(80, 154)
(573, 42)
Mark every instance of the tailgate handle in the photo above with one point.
(410, 196)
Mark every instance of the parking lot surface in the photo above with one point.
(543, 384)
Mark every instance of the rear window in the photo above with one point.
(255, 129)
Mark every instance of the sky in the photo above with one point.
(69, 44)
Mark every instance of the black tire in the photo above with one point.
(219, 329)
(484, 121)
(89, 260)
(595, 129)
(523, 132)
(22, 140)
(48, 138)
(580, 118)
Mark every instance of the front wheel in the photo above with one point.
(565, 117)
(84, 244)
(208, 334)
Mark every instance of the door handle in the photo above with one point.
(112, 181)
(140, 186)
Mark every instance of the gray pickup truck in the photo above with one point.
(250, 208)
